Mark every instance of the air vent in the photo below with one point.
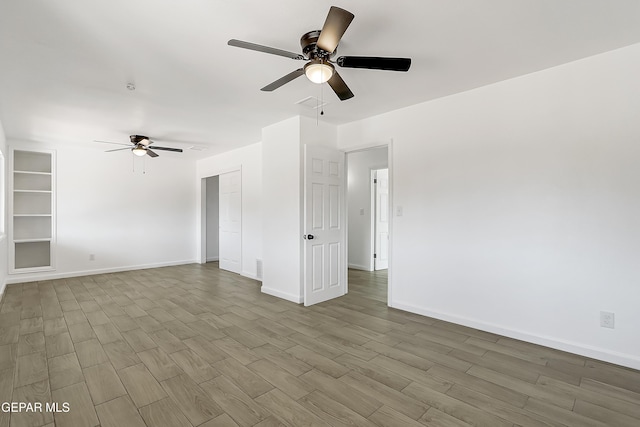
(259, 269)
(311, 102)
(198, 148)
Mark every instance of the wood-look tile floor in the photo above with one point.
(195, 346)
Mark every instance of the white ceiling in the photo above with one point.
(64, 65)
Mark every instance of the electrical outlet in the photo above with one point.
(607, 319)
(92, 257)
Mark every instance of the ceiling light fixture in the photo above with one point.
(139, 150)
(318, 70)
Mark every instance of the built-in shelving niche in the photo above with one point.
(32, 210)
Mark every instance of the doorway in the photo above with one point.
(369, 218)
(222, 220)
(212, 219)
(380, 218)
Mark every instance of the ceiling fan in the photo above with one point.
(141, 146)
(319, 47)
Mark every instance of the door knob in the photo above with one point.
(309, 236)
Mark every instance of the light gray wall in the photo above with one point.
(360, 164)
(213, 203)
(127, 219)
(520, 205)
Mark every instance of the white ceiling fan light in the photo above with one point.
(139, 150)
(318, 71)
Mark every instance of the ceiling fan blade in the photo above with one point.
(151, 153)
(375, 63)
(265, 49)
(177, 150)
(340, 87)
(283, 80)
(119, 149)
(335, 25)
(111, 142)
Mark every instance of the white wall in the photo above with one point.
(521, 203)
(3, 210)
(128, 220)
(359, 167)
(281, 207)
(213, 223)
(248, 159)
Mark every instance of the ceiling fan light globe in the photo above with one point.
(318, 72)
(139, 151)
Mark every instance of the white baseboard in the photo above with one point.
(250, 276)
(213, 258)
(622, 359)
(276, 293)
(52, 275)
(359, 267)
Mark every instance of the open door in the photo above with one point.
(325, 257)
(230, 217)
(381, 231)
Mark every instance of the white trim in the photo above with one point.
(22, 278)
(213, 258)
(359, 267)
(298, 299)
(250, 276)
(622, 359)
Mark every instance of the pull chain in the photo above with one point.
(322, 99)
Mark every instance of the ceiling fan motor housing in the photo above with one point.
(136, 139)
(310, 49)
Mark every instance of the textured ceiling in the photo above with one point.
(64, 65)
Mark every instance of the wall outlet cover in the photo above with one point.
(607, 319)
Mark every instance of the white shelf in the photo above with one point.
(32, 254)
(32, 191)
(36, 203)
(31, 240)
(32, 161)
(32, 215)
(33, 173)
(31, 227)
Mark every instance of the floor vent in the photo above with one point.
(259, 269)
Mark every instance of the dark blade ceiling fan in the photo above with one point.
(318, 48)
(141, 146)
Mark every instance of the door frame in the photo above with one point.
(389, 146)
(201, 223)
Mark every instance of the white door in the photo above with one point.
(230, 217)
(325, 257)
(381, 255)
